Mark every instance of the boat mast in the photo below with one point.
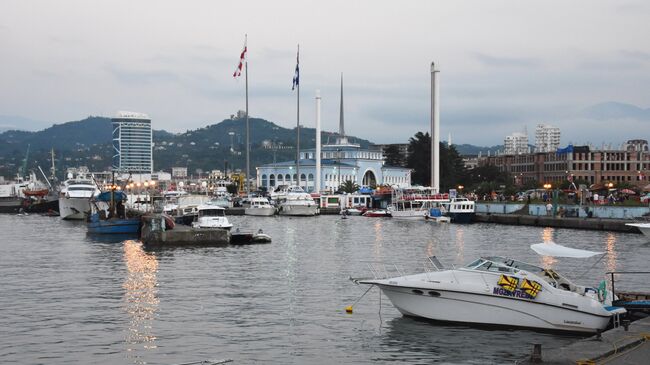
(248, 146)
(52, 169)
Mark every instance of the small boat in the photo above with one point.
(435, 215)
(643, 227)
(503, 292)
(354, 211)
(260, 207)
(211, 216)
(246, 238)
(376, 213)
(460, 210)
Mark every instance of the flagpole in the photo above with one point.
(298, 124)
(248, 146)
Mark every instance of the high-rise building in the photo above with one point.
(547, 138)
(132, 143)
(515, 144)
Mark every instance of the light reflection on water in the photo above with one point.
(140, 298)
(69, 298)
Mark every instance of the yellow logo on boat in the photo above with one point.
(531, 287)
(508, 283)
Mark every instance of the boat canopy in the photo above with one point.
(555, 250)
(106, 196)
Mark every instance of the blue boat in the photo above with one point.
(113, 225)
(117, 222)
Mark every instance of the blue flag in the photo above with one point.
(296, 76)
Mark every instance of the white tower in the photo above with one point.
(435, 130)
(317, 186)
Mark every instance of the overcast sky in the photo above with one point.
(505, 65)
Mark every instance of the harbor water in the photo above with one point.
(67, 297)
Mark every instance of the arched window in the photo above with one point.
(303, 180)
(264, 181)
(287, 178)
(295, 179)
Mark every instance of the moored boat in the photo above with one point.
(211, 216)
(296, 202)
(376, 213)
(505, 292)
(75, 196)
(260, 207)
(643, 227)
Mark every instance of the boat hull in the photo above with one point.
(115, 226)
(260, 212)
(409, 214)
(298, 210)
(486, 309)
(461, 217)
(73, 208)
(643, 227)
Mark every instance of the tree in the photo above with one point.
(452, 169)
(349, 187)
(393, 156)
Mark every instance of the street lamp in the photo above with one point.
(610, 185)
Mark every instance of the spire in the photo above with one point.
(341, 125)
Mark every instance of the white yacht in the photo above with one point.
(506, 292)
(295, 201)
(75, 196)
(211, 216)
(260, 207)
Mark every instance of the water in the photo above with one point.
(66, 297)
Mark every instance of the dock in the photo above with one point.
(616, 346)
(599, 224)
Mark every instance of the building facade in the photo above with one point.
(547, 138)
(515, 144)
(631, 165)
(132, 143)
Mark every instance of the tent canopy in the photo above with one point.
(555, 250)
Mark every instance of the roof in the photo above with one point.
(308, 162)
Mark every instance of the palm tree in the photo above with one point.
(349, 187)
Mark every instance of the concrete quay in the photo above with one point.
(599, 224)
(616, 346)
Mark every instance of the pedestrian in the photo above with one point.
(549, 209)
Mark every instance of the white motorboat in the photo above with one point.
(260, 207)
(75, 196)
(643, 227)
(504, 292)
(211, 216)
(296, 202)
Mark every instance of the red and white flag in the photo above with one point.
(242, 58)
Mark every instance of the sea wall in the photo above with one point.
(597, 211)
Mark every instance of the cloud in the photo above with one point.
(139, 77)
(493, 61)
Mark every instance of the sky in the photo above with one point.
(504, 65)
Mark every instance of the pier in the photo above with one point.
(599, 224)
(620, 345)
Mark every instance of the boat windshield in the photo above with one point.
(212, 213)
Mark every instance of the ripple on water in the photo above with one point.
(67, 297)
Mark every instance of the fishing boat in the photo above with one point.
(111, 218)
(502, 291)
(211, 216)
(260, 207)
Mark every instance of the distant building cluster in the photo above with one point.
(547, 138)
(630, 163)
(515, 144)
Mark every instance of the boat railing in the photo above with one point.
(385, 270)
(612, 279)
